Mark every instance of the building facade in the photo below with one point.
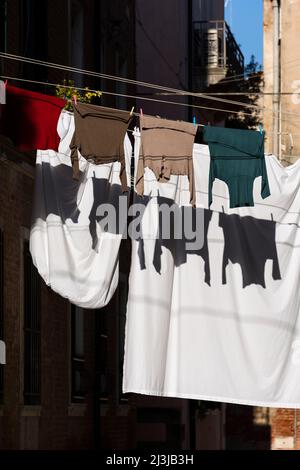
(281, 25)
(62, 385)
(288, 76)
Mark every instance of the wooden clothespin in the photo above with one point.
(131, 112)
(75, 99)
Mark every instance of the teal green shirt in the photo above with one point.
(237, 158)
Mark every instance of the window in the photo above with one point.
(101, 352)
(3, 25)
(32, 331)
(77, 355)
(122, 294)
(109, 344)
(77, 39)
(1, 311)
(34, 38)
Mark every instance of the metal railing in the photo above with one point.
(214, 46)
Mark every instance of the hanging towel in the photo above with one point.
(30, 119)
(166, 149)
(237, 158)
(99, 136)
(233, 342)
(74, 251)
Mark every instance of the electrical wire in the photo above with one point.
(263, 72)
(118, 79)
(233, 93)
(128, 96)
(149, 99)
(146, 84)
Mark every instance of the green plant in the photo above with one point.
(68, 90)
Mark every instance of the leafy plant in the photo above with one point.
(68, 90)
(251, 86)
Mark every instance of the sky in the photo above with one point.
(245, 18)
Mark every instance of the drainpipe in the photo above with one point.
(276, 78)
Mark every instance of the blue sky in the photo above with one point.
(245, 18)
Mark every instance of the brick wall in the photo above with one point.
(56, 424)
(285, 425)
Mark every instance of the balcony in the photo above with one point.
(215, 53)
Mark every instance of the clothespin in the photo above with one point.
(194, 120)
(141, 112)
(260, 129)
(75, 99)
(131, 112)
(5, 83)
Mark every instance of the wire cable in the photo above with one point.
(150, 99)
(117, 79)
(146, 84)
(128, 96)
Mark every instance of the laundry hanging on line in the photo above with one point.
(235, 340)
(29, 119)
(166, 148)
(74, 254)
(173, 292)
(237, 158)
(180, 342)
(99, 135)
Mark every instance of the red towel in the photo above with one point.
(29, 119)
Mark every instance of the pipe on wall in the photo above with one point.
(276, 78)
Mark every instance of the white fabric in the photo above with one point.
(2, 93)
(73, 254)
(220, 342)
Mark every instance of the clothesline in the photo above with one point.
(185, 280)
(110, 77)
(146, 98)
(265, 72)
(233, 93)
(118, 79)
(145, 84)
(127, 96)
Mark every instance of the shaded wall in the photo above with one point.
(162, 52)
(204, 10)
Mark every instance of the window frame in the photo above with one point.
(121, 327)
(32, 331)
(1, 310)
(102, 338)
(3, 25)
(77, 361)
